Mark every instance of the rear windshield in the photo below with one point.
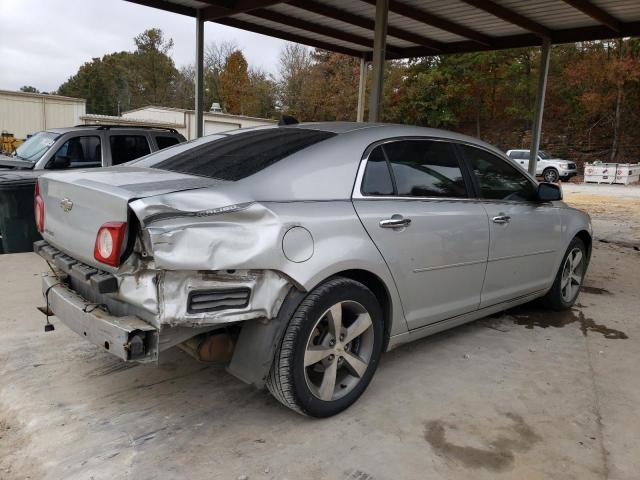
(237, 156)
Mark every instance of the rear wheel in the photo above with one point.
(569, 278)
(330, 349)
(550, 175)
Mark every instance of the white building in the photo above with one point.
(184, 120)
(23, 113)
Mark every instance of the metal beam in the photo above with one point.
(167, 6)
(291, 37)
(221, 8)
(290, 21)
(596, 13)
(510, 16)
(435, 21)
(379, 47)
(537, 120)
(362, 89)
(199, 74)
(364, 22)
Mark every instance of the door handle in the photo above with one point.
(396, 221)
(501, 219)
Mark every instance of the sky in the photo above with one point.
(44, 42)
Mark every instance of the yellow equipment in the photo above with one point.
(9, 143)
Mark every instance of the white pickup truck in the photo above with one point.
(551, 169)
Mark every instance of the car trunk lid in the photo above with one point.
(78, 203)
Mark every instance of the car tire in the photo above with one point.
(339, 324)
(550, 175)
(568, 281)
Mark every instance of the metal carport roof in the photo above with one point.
(420, 27)
(377, 30)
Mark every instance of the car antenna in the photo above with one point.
(287, 120)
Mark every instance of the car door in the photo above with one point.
(525, 233)
(414, 201)
(522, 157)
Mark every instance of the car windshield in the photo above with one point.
(544, 155)
(235, 156)
(33, 149)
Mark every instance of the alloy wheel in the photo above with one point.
(551, 176)
(572, 274)
(338, 350)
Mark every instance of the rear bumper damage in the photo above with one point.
(136, 315)
(128, 338)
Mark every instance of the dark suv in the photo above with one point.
(82, 146)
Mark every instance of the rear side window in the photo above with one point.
(128, 147)
(164, 142)
(237, 156)
(377, 177)
(498, 179)
(423, 168)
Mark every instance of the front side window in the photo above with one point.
(128, 147)
(81, 152)
(498, 179)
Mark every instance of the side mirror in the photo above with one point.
(59, 162)
(549, 192)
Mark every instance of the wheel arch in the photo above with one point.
(586, 238)
(381, 292)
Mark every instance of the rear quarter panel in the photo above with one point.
(257, 239)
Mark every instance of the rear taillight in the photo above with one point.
(109, 242)
(38, 208)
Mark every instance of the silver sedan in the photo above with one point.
(297, 254)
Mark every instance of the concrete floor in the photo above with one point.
(526, 395)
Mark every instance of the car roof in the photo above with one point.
(383, 131)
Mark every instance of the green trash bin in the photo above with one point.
(17, 222)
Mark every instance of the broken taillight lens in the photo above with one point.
(109, 242)
(38, 208)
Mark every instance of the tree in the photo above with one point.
(216, 55)
(156, 73)
(295, 64)
(234, 83)
(29, 89)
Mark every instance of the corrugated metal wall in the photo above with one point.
(26, 113)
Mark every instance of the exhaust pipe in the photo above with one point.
(215, 348)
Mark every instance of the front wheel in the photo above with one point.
(330, 349)
(566, 287)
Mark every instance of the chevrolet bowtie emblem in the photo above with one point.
(66, 204)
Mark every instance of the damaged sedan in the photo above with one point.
(298, 254)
